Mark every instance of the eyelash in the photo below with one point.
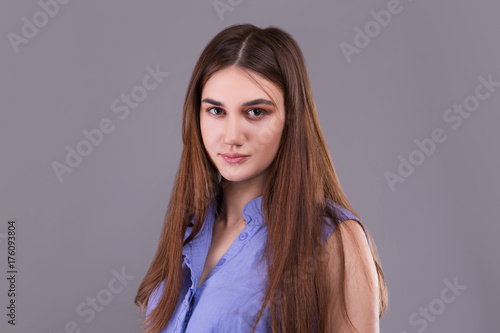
(263, 112)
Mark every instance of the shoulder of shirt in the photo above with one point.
(344, 214)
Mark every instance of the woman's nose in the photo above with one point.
(234, 130)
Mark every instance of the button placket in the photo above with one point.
(190, 295)
(235, 247)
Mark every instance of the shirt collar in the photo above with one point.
(252, 212)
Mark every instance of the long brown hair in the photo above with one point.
(301, 181)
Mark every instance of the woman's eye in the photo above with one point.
(260, 112)
(209, 110)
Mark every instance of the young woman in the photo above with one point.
(258, 234)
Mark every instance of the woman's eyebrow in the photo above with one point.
(250, 103)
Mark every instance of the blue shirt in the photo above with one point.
(232, 294)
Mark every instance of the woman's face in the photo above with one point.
(237, 117)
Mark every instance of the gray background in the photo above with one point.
(439, 224)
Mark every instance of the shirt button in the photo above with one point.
(223, 260)
(243, 236)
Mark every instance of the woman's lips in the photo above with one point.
(234, 158)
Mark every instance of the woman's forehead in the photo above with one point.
(232, 84)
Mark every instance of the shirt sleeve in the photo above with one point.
(345, 214)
